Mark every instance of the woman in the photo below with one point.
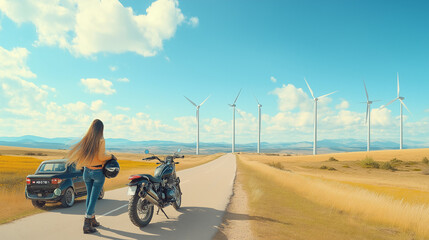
(90, 154)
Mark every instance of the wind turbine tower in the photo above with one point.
(401, 117)
(315, 115)
(259, 125)
(233, 121)
(198, 121)
(368, 117)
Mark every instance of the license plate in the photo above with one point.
(132, 190)
(41, 182)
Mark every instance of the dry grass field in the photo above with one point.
(338, 196)
(16, 163)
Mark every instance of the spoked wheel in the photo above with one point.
(68, 198)
(140, 211)
(178, 201)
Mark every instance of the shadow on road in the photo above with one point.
(192, 223)
(102, 206)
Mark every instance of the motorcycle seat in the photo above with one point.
(151, 178)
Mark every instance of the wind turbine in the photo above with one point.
(198, 121)
(401, 118)
(368, 117)
(233, 121)
(259, 125)
(315, 115)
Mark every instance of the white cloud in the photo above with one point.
(92, 26)
(167, 58)
(273, 79)
(113, 68)
(100, 86)
(194, 21)
(343, 105)
(381, 117)
(13, 64)
(46, 87)
(290, 97)
(123, 80)
(96, 105)
(54, 20)
(123, 108)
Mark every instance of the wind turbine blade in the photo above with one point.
(309, 88)
(402, 102)
(367, 112)
(327, 94)
(237, 96)
(256, 100)
(367, 97)
(230, 105)
(241, 113)
(204, 100)
(389, 103)
(397, 78)
(191, 101)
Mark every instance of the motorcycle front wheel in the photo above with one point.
(140, 211)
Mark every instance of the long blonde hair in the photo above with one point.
(85, 151)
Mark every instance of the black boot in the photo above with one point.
(94, 222)
(87, 227)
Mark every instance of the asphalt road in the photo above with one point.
(206, 192)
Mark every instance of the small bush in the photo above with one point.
(276, 165)
(426, 171)
(387, 166)
(332, 159)
(30, 153)
(323, 167)
(332, 169)
(346, 166)
(425, 160)
(416, 169)
(368, 162)
(395, 161)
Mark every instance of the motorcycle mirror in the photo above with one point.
(178, 150)
(146, 151)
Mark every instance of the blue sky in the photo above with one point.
(129, 63)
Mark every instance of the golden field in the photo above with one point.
(294, 197)
(16, 163)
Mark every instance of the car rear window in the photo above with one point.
(52, 167)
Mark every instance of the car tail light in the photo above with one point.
(28, 181)
(56, 180)
(132, 177)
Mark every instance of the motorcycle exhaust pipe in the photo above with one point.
(148, 196)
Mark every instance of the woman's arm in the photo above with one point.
(102, 152)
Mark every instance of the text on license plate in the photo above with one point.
(41, 182)
(132, 190)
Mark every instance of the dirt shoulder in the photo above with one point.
(236, 221)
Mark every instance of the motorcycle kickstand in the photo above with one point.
(162, 210)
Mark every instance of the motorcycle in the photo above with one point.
(161, 190)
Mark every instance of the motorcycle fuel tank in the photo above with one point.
(163, 171)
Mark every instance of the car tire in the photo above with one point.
(68, 198)
(101, 196)
(38, 204)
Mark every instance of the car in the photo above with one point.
(55, 181)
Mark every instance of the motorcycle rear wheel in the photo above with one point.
(178, 201)
(140, 211)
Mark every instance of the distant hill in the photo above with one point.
(156, 146)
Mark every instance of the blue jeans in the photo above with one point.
(94, 181)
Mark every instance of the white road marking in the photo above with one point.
(116, 209)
